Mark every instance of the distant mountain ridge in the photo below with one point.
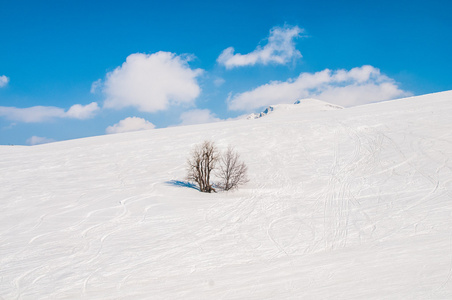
(303, 105)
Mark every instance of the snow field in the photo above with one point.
(349, 203)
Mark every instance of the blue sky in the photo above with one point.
(71, 69)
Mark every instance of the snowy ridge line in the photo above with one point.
(302, 106)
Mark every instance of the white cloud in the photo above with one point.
(357, 86)
(37, 140)
(37, 114)
(3, 81)
(10, 126)
(81, 112)
(130, 124)
(198, 116)
(152, 82)
(95, 86)
(33, 114)
(280, 49)
(218, 81)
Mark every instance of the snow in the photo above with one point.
(351, 203)
(303, 106)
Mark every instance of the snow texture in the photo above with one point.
(351, 203)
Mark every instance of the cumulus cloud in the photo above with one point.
(130, 124)
(280, 49)
(198, 116)
(37, 114)
(81, 112)
(3, 81)
(357, 86)
(37, 140)
(152, 82)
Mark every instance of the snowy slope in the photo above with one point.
(349, 203)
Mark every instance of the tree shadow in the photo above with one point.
(179, 183)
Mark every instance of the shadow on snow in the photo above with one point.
(180, 183)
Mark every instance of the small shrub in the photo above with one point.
(228, 169)
(201, 164)
(231, 172)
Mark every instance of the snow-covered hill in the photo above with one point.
(349, 203)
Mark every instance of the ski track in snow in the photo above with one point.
(344, 204)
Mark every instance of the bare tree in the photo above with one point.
(200, 165)
(232, 172)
